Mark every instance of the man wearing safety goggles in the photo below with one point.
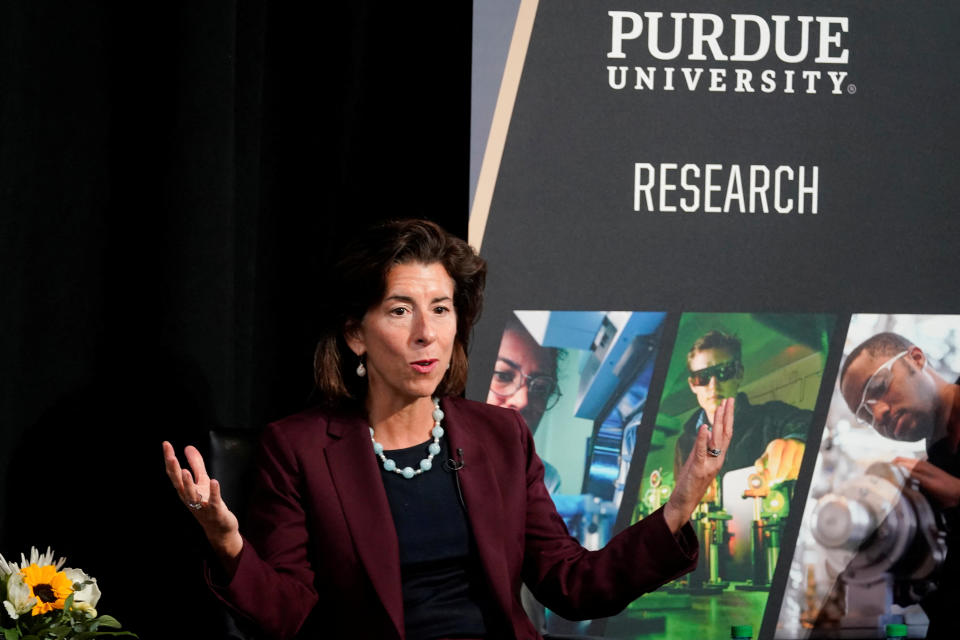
(769, 435)
(888, 385)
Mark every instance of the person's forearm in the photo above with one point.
(227, 549)
(675, 516)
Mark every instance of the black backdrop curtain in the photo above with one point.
(173, 177)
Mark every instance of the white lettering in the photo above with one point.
(617, 34)
(653, 35)
(777, 189)
(769, 83)
(837, 77)
(741, 188)
(788, 75)
(668, 78)
(706, 30)
(613, 81)
(666, 185)
(743, 80)
(687, 205)
(642, 186)
(717, 77)
(701, 38)
(691, 82)
(808, 190)
(780, 38)
(758, 188)
(645, 77)
(709, 187)
(734, 189)
(739, 38)
(811, 76)
(827, 39)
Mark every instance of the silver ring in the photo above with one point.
(196, 506)
(714, 452)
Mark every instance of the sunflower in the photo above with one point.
(49, 586)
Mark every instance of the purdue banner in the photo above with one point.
(755, 187)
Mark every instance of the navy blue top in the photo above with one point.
(444, 591)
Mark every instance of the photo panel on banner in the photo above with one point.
(773, 365)
(580, 379)
(874, 544)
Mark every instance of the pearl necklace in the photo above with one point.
(427, 463)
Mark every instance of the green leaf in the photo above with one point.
(11, 634)
(108, 621)
(60, 632)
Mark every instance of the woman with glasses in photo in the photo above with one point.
(525, 379)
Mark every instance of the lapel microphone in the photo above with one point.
(454, 466)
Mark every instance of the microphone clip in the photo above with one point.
(452, 465)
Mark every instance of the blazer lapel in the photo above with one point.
(481, 493)
(364, 501)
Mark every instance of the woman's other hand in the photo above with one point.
(201, 494)
(700, 468)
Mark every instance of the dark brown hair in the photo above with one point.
(358, 282)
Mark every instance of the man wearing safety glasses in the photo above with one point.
(769, 435)
(888, 385)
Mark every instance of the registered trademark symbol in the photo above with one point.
(851, 88)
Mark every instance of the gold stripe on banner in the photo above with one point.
(490, 166)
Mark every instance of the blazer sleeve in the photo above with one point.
(579, 584)
(274, 587)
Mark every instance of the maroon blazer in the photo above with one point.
(321, 557)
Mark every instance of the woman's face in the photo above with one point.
(408, 336)
(520, 354)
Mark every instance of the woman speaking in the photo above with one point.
(400, 510)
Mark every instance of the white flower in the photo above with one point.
(6, 568)
(19, 601)
(88, 595)
(41, 559)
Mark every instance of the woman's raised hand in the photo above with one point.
(201, 494)
(701, 467)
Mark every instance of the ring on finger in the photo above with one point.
(714, 452)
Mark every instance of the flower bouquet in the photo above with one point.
(41, 602)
